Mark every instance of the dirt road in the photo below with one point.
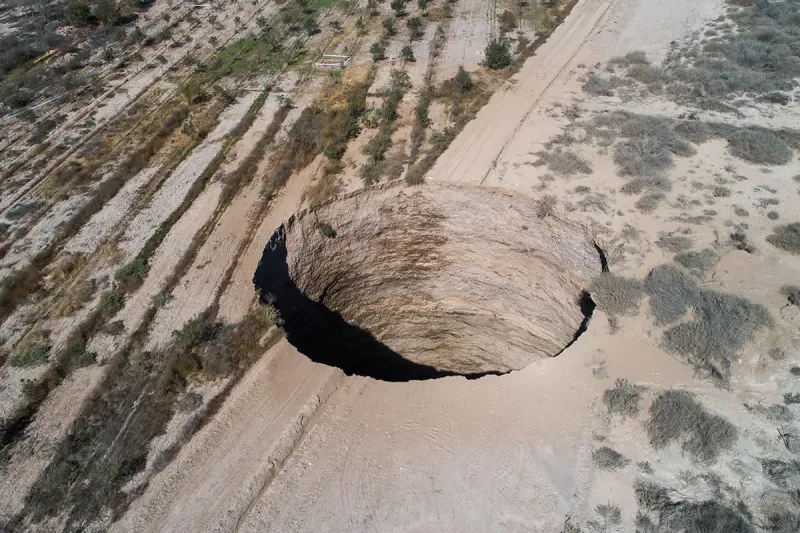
(595, 31)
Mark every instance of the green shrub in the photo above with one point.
(106, 11)
(78, 14)
(617, 295)
(624, 398)
(33, 355)
(415, 25)
(786, 237)
(131, 276)
(676, 416)
(497, 54)
(378, 51)
(609, 459)
(326, 230)
(407, 53)
(389, 28)
(463, 81)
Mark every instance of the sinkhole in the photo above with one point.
(407, 283)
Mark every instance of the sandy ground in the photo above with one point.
(298, 446)
(445, 455)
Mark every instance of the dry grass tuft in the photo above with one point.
(697, 262)
(609, 459)
(624, 398)
(323, 190)
(786, 237)
(792, 293)
(617, 295)
(564, 162)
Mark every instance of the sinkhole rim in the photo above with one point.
(328, 334)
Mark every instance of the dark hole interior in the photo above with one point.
(324, 336)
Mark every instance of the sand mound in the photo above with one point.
(412, 283)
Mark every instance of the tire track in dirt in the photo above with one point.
(474, 153)
(220, 470)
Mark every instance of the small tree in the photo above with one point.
(310, 26)
(78, 14)
(399, 7)
(463, 80)
(448, 10)
(106, 11)
(498, 54)
(422, 4)
(378, 51)
(415, 25)
(389, 28)
(213, 40)
(407, 54)
(508, 22)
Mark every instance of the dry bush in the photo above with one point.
(722, 324)
(759, 147)
(637, 57)
(697, 262)
(694, 131)
(650, 496)
(653, 183)
(609, 459)
(642, 156)
(720, 192)
(598, 85)
(706, 517)
(546, 206)
(564, 162)
(649, 201)
(617, 295)
(624, 398)
(785, 474)
(792, 293)
(610, 517)
(672, 292)
(786, 237)
(673, 243)
(783, 521)
(675, 416)
(323, 190)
